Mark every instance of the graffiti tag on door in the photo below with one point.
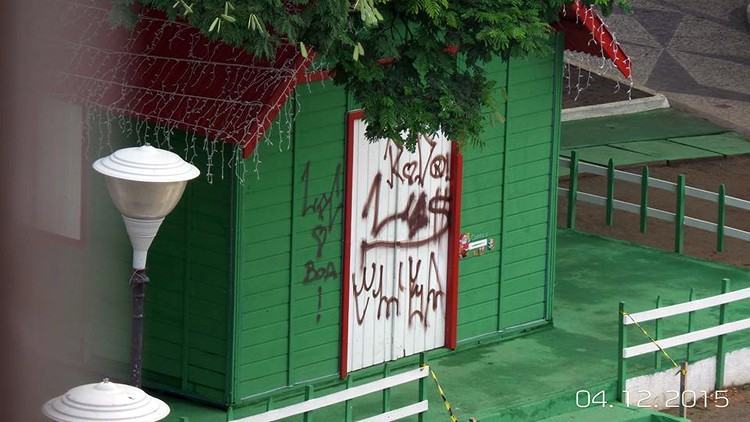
(400, 215)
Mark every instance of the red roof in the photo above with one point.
(586, 32)
(168, 73)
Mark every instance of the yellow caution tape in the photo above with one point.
(442, 396)
(683, 371)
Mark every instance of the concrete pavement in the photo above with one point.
(697, 53)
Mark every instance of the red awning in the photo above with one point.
(586, 32)
(166, 72)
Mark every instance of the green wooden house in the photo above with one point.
(339, 256)
(246, 299)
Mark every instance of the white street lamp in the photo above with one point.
(145, 183)
(105, 402)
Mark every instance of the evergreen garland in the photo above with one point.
(434, 77)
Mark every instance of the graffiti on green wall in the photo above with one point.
(326, 208)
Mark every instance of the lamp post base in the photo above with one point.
(138, 282)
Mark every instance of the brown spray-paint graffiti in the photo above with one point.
(326, 207)
(420, 302)
(424, 213)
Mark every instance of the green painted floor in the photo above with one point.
(536, 376)
(616, 412)
(659, 135)
(593, 275)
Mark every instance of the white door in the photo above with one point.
(398, 248)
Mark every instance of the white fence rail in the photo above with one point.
(659, 214)
(685, 307)
(646, 182)
(664, 185)
(352, 393)
(704, 334)
(659, 345)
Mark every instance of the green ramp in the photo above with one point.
(728, 143)
(649, 125)
(652, 136)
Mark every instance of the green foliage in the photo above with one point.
(422, 88)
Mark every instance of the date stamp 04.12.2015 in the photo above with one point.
(672, 398)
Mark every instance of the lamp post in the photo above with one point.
(105, 401)
(145, 184)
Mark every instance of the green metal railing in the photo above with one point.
(646, 182)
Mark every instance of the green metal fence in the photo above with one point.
(646, 182)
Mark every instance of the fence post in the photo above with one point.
(309, 390)
(657, 355)
(622, 341)
(573, 190)
(422, 386)
(720, 358)
(690, 324)
(610, 191)
(683, 387)
(644, 199)
(269, 404)
(720, 219)
(387, 391)
(679, 222)
(348, 413)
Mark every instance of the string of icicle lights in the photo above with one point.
(131, 84)
(585, 62)
(130, 87)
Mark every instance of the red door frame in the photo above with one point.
(451, 301)
(454, 233)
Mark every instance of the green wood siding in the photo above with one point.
(244, 299)
(290, 229)
(529, 184)
(481, 211)
(288, 326)
(187, 302)
(526, 217)
(507, 196)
